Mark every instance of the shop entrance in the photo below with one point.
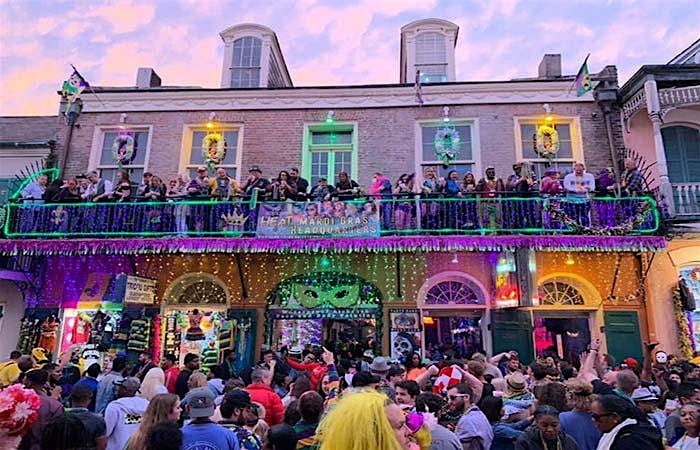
(456, 334)
(334, 309)
(561, 334)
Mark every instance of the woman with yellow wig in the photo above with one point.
(363, 421)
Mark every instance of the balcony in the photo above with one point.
(686, 199)
(345, 219)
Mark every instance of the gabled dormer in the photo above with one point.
(428, 45)
(253, 58)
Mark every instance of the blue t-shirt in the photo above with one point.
(208, 436)
(580, 426)
(92, 384)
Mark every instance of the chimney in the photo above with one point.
(550, 66)
(146, 78)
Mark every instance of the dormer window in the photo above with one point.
(428, 46)
(431, 57)
(252, 58)
(245, 68)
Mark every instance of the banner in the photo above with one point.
(405, 332)
(95, 288)
(328, 218)
(140, 290)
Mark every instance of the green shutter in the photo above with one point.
(682, 148)
(622, 335)
(511, 329)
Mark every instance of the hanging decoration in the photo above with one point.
(627, 227)
(340, 245)
(547, 141)
(447, 142)
(684, 343)
(213, 149)
(123, 148)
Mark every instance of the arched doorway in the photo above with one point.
(195, 318)
(452, 306)
(325, 308)
(565, 316)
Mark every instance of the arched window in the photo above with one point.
(431, 57)
(451, 289)
(560, 294)
(197, 289)
(245, 66)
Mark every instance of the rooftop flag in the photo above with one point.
(583, 79)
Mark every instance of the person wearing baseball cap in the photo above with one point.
(236, 411)
(202, 432)
(123, 415)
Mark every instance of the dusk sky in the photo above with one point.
(324, 42)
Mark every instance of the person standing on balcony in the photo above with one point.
(302, 184)
(381, 189)
(34, 191)
(632, 179)
(99, 190)
(283, 188)
(145, 183)
(345, 188)
(199, 186)
(122, 193)
(404, 209)
(254, 181)
(223, 187)
(155, 191)
(579, 186)
(322, 191)
(489, 188)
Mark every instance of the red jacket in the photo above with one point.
(171, 378)
(316, 371)
(274, 409)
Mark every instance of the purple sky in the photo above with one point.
(324, 42)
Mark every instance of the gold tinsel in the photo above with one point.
(686, 349)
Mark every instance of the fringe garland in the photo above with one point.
(323, 245)
(684, 343)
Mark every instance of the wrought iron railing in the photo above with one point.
(352, 218)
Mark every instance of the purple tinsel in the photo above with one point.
(342, 245)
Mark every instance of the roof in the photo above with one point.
(665, 75)
(28, 129)
(687, 55)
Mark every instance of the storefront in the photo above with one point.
(324, 308)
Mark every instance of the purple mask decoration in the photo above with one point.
(414, 421)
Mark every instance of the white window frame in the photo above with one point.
(434, 62)
(98, 137)
(473, 122)
(259, 67)
(574, 123)
(188, 131)
(308, 147)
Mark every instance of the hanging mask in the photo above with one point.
(661, 357)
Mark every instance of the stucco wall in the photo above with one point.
(13, 303)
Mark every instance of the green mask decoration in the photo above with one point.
(340, 296)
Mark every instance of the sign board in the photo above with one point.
(328, 218)
(405, 332)
(140, 290)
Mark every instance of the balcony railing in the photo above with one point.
(686, 198)
(352, 218)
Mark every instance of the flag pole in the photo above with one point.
(573, 83)
(89, 87)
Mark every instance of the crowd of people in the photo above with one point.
(310, 398)
(289, 185)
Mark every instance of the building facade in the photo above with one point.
(430, 274)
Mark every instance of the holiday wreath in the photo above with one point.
(547, 141)
(123, 147)
(447, 141)
(213, 149)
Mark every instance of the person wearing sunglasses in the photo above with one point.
(623, 425)
(473, 428)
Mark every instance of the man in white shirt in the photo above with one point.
(34, 191)
(578, 186)
(99, 189)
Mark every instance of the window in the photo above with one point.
(329, 152)
(527, 145)
(465, 160)
(561, 294)
(431, 57)
(197, 159)
(245, 70)
(107, 166)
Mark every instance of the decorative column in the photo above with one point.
(228, 61)
(654, 111)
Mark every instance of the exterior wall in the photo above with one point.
(385, 134)
(13, 302)
(641, 138)
(663, 278)
(29, 128)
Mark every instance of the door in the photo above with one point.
(511, 329)
(622, 335)
(682, 148)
